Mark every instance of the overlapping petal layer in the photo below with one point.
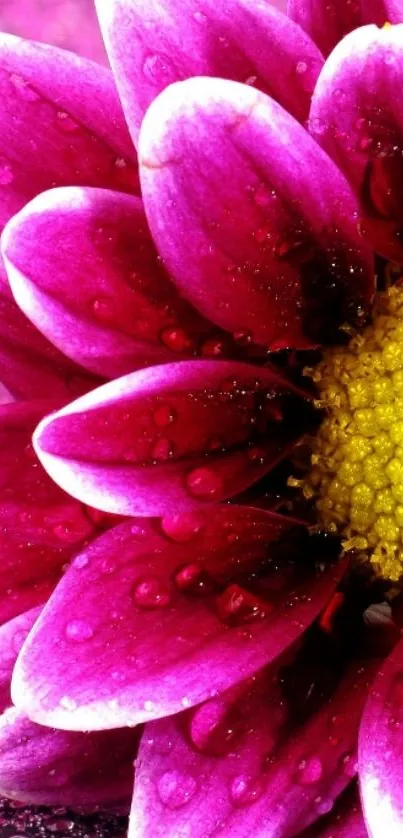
(152, 44)
(256, 225)
(153, 618)
(357, 117)
(12, 636)
(248, 763)
(382, 11)
(345, 820)
(328, 21)
(380, 750)
(40, 526)
(83, 268)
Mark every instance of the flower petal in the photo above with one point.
(61, 123)
(193, 605)
(255, 224)
(12, 636)
(248, 761)
(380, 750)
(382, 11)
(123, 315)
(152, 44)
(357, 117)
(326, 21)
(172, 437)
(344, 821)
(54, 768)
(40, 526)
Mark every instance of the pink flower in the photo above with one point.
(152, 300)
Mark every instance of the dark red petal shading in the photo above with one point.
(381, 752)
(357, 117)
(257, 227)
(40, 526)
(244, 762)
(153, 44)
(153, 618)
(88, 772)
(83, 268)
(12, 636)
(382, 11)
(326, 21)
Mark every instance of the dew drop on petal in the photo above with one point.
(204, 483)
(200, 17)
(310, 771)
(164, 415)
(301, 67)
(150, 592)
(237, 606)
(182, 526)
(175, 788)
(103, 310)
(81, 561)
(66, 122)
(6, 175)
(349, 765)
(79, 631)
(246, 790)
(162, 450)
(176, 339)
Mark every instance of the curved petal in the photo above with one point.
(12, 636)
(382, 11)
(326, 21)
(345, 820)
(194, 605)
(357, 117)
(380, 750)
(172, 437)
(255, 224)
(61, 123)
(40, 526)
(54, 768)
(152, 44)
(247, 761)
(83, 268)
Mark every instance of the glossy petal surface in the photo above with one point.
(344, 821)
(155, 617)
(127, 314)
(357, 116)
(327, 21)
(40, 526)
(382, 11)
(152, 44)
(12, 636)
(255, 224)
(172, 437)
(380, 751)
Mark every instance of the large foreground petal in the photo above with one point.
(155, 617)
(172, 437)
(256, 225)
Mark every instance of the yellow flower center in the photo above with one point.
(357, 461)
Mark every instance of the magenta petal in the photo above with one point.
(124, 315)
(152, 44)
(54, 768)
(245, 761)
(256, 225)
(381, 751)
(357, 117)
(344, 821)
(172, 437)
(40, 526)
(184, 619)
(382, 11)
(12, 636)
(327, 21)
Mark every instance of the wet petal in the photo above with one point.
(122, 315)
(61, 123)
(54, 768)
(194, 604)
(12, 636)
(40, 526)
(380, 750)
(223, 171)
(152, 44)
(326, 21)
(246, 761)
(344, 821)
(171, 437)
(356, 116)
(382, 11)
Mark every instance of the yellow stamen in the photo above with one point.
(356, 475)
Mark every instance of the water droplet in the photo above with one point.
(68, 703)
(24, 90)
(182, 527)
(192, 578)
(63, 532)
(162, 450)
(66, 122)
(103, 309)
(6, 174)
(149, 706)
(204, 483)
(200, 17)
(213, 348)
(151, 592)
(81, 561)
(323, 805)
(157, 67)
(301, 67)
(310, 771)
(349, 764)
(120, 163)
(164, 416)
(176, 788)
(176, 339)
(251, 81)
(317, 126)
(246, 790)
(237, 606)
(79, 631)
